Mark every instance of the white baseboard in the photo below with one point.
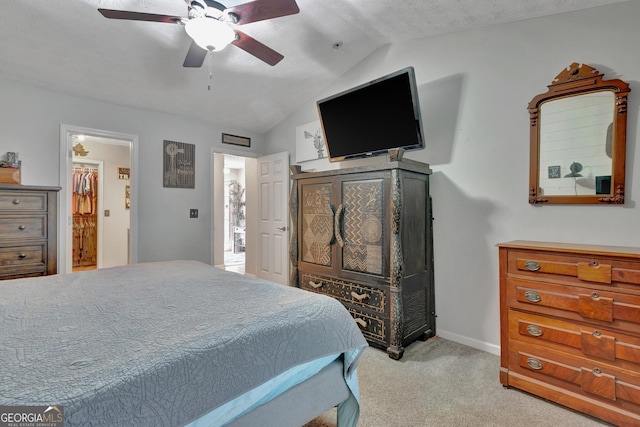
(480, 345)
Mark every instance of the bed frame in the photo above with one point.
(167, 343)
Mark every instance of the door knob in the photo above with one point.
(281, 228)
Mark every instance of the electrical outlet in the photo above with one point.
(193, 213)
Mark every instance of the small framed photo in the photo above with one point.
(127, 196)
(554, 172)
(124, 173)
(12, 157)
(236, 140)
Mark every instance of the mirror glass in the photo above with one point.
(578, 139)
(576, 135)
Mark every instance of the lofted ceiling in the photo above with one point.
(68, 47)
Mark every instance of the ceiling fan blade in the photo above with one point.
(195, 56)
(259, 10)
(139, 16)
(257, 49)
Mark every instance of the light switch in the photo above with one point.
(193, 213)
(107, 212)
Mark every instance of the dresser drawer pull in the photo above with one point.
(596, 333)
(532, 266)
(359, 297)
(22, 227)
(595, 295)
(361, 322)
(534, 330)
(532, 296)
(534, 364)
(22, 255)
(16, 201)
(596, 371)
(315, 285)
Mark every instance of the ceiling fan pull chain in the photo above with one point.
(210, 69)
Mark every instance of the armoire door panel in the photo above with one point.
(363, 227)
(316, 228)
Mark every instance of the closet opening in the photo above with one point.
(85, 205)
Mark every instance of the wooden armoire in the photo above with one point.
(363, 235)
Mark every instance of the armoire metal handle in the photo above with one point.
(336, 225)
(361, 322)
(359, 297)
(315, 285)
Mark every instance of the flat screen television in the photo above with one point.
(373, 118)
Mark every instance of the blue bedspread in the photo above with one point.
(157, 344)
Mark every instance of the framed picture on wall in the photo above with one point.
(124, 173)
(310, 142)
(179, 165)
(127, 196)
(236, 140)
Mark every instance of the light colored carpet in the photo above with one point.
(443, 383)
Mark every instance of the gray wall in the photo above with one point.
(30, 120)
(474, 89)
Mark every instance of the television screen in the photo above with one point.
(373, 118)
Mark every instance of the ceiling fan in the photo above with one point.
(209, 26)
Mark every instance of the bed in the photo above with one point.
(176, 343)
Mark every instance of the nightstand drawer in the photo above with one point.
(574, 269)
(23, 201)
(346, 292)
(22, 255)
(23, 227)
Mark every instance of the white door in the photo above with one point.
(273, 218)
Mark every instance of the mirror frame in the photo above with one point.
(579, 79)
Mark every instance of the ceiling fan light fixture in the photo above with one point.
(209, 33)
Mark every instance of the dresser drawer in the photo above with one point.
(23, 227)
(602, 344)
(20, 271)
(374, 328)
(574, 269)
(23, 255)
(601, 307)
(582, 376)
(20, 201)
(346, 292)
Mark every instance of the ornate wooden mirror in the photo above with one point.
(578, 139)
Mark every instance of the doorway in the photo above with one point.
(266, 210)
(97, 201)
(235, 226)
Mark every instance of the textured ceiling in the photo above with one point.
(67, 46)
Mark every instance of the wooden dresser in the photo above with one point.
(28, 231)
(570, 326)
(364, 236)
